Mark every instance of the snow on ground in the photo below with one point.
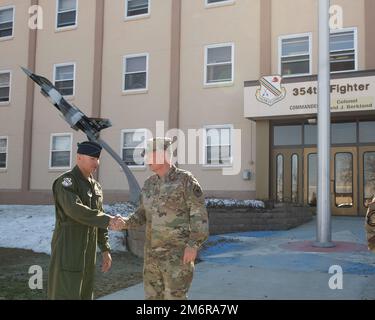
(230, 203)
(31, 227)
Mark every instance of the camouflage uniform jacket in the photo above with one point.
(174, 211)
(370, 226)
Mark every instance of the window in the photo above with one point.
(3, 152)
(219, 64)
(136, 8)
(5, 79)
(344, 133)
(133, 143)
(280, 178)
(61, 150)
(218, 150)
(287, 135)
(367, 132)
(66, 13)
(294, 178)
(6, 22)
(295, 55)
(135, 72)
(64, 76)
(343, 50)
(210, 3)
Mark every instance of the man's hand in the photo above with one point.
(107, 261)
(190, 255)
(117, 223)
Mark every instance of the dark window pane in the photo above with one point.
(342, 66)
(135, 81)
(137, 7)
(219, 73)
(367, 132)
(65, 87)
(6, 29)
(66, 19)
(287, 135)
(295, 65)
(136, 64)
(219, 55)
(294, 178)
(279, 178)
(344, 133)
(4, 94)
(60, 159)
(312, 179)
(214, 1)
(311, 134)
(3, 160)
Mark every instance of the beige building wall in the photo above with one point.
(199, 105)
(13, 53)
(55, 47)
(196, 105)
(151, 35)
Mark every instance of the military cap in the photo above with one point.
(89, 148)
(157, 144)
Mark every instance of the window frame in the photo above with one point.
(138, 16)
(219, 126)
(13, 21)
(291, 36)
(6, 103)
(75, 26)
(218, 45)
(6, 152)
(50, 167)
(65, 64)
(355, 35)
(123, 132)
(219, 3)
(125, 57)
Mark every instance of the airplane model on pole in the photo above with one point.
(89, 126)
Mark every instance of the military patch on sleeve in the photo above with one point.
(67, 182)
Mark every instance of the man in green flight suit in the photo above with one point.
(80, 226)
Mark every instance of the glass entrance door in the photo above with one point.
(287, 175)
(344, 175)
(343, 180)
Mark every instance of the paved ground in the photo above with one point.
(281, 265)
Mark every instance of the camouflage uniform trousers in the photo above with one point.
(167, 278)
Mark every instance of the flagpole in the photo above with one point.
(324, 238)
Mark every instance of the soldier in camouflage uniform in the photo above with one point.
(80, 226)
(172, 207)
(370, 224)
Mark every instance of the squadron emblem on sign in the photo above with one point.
(270, 91)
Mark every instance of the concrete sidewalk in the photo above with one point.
(264, 265)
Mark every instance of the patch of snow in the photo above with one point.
(31, 227)
(233, 203)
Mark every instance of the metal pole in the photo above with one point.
(324, 134)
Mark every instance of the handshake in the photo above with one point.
(117, 223)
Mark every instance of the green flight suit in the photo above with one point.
(80, 226)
